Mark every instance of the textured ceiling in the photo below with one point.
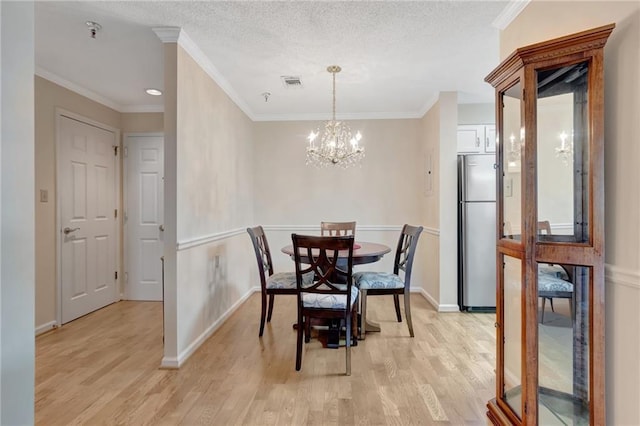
(395, 56)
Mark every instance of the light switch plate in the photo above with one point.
(44, 196)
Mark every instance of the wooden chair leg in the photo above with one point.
(544, 301)
(551, 301)
(307, 329)
(263, 313)
(363, 314)
(407, 312)
(354, 325)
(396, 302)
(348, 342)
(299, 341)
(271, 300)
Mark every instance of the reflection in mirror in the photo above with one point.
(562, 151)
(563, 344)
(513, 137)
(512, 329)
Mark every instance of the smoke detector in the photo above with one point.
(291, 81)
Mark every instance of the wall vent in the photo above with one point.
(291, 81)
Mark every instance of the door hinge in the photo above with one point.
(116, 273)
(525, 408)
(115, 150)
(115, 213)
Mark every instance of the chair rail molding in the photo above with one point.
(620, 276)
(211, 238)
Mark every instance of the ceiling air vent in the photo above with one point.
(291, 82)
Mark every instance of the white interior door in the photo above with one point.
(144, 216)
(87, 201)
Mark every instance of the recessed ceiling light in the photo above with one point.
(153, 92)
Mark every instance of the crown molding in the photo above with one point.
(427, 105)
(83, 91)
(54, 78)
(324, 116)
(178, 35)
(143, 108)
(509, 13)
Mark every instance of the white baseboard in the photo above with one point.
(433, 302)
(172, 362)
(46, 327)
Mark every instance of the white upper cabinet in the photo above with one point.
(477, 138)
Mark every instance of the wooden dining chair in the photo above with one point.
(337, 228)
(270, 283)
(383, 283)
(331, 294)
(554, 281)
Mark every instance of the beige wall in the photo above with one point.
(381, 195)
(214, 194)
(48, 97)
(542, 20)
(430, 141)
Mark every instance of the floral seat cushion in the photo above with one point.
(329, 301)
(548, 281)
(287, 280)
(375, 280)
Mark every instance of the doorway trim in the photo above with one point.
(60, 113)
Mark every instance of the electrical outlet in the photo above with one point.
(44, 196)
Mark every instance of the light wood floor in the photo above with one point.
(103, 369)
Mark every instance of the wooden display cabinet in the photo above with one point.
(550, 149)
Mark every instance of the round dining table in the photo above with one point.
(363, 253)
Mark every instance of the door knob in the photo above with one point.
(161, 228)
(68, 230)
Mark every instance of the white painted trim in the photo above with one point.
(433, 302)
(556, 227)
(428, 104)
(184, 355)
(509, 13)
(167, 34)
(621, 276)
(323, 116)
(43, 328)
(432, 231)
(89, 94)
(206, 239)
(176, 34)
(142, 108)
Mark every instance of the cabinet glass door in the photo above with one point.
(513, 138)
(563, 153)
(563, 344)
(512, 333)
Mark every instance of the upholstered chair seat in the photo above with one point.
(370, 280)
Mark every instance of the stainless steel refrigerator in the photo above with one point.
(477, 232)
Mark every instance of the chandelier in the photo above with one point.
(337, 146)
